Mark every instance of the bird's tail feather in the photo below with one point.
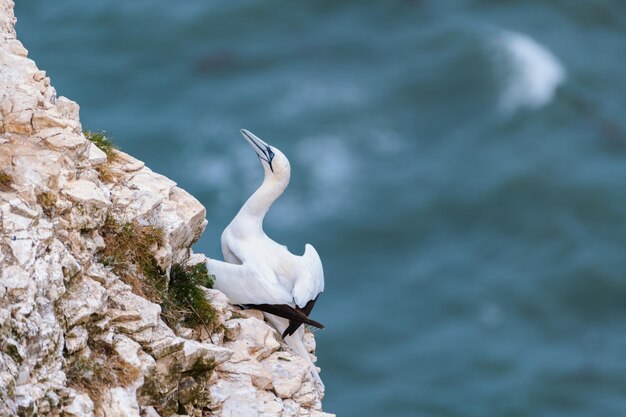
(287, 312)
(293, 324)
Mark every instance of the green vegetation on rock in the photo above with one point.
(103, 142)
(103, 369)
(186, 302)
(129, 252)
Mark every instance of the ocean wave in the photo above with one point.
(531, 73)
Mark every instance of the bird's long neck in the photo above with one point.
(254, 210)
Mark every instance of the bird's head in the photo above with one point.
(274, 162)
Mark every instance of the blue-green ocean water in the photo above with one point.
(459, 165)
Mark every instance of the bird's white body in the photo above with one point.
(257, 269)
(276, 275)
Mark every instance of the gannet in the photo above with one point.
(260, 273)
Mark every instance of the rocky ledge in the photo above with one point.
(79, 336)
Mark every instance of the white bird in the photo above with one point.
(260, 273)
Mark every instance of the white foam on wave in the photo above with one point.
(531, 72)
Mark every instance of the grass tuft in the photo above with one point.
(103, 142)
(108, 147)
(196, 274)
(47, 200)
(186, 303)
(5, 181)
(103, 369)
(128, 250)
(105, 174)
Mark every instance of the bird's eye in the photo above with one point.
(270, 153)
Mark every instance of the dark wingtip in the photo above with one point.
(295, 325)
(315, 324)
(295, 316)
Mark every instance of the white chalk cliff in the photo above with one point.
(62, 310)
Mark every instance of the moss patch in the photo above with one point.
(5, 181)
(201, 368)
(186, 303)
(128, 250)
(103, 369)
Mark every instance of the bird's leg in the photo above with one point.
(296, 345)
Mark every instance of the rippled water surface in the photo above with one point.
(459, 165)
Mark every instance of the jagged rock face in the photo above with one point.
(67, 319)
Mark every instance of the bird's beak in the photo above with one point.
(261, 148)
(257, 144)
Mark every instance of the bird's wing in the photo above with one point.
(227, 250)
(229, 256)
(310, 281)
(244, 285)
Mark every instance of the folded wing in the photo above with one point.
(310, 280)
